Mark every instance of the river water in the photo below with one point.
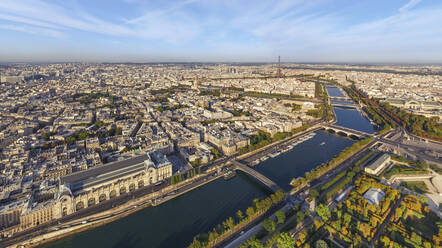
(174, 223)
(334, 91)
(351, 118)
(304, 157)
(348, 117)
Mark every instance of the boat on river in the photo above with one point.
(229, 175)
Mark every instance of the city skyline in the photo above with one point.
(406, 31)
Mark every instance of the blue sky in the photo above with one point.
(382, 31)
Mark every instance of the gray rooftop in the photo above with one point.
(113, 168)
(379, 161)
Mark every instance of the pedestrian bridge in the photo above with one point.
(258, 176)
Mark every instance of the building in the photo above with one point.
(374, 196)
(86, 188)
(377, 166)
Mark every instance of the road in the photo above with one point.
(419, 152)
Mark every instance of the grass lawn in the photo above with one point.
(402, 169)
(418, 187)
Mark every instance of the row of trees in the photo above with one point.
(231, 224)
(294, 106)
(239, 112)
(83, 135)
(180, 177)
(416, 124)
(318, 112)
(283, 238)
(414, 224)
(371, 108)
(355, 221)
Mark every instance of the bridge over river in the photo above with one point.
(260, 177)
(347, 131)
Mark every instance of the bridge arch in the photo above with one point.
(342, 133)
(354, 137)
(331, 130)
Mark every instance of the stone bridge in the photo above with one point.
(340, 98)
(346, 131)
(258, 176)
(345, 105)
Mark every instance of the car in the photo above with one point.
(84, 222)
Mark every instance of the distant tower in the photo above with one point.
(195, 84)
(279, 73)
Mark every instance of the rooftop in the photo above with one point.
(374, 196)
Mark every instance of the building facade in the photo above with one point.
(84, 189)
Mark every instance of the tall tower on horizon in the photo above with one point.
(279, 73)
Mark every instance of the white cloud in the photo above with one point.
(32, 30)
(173, 27)
(409, 5)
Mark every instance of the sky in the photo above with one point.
(326, 31)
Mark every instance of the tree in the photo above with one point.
(386, 241)
(314, 193)
(302, 236)
(196, 162)
(347, 219)
(230, 223)
(250, 212)
(300, 216)
(286, 241)
(240, 215)
(321, 244)
(213, 235)
(252, 243)
(323, 211)
(197, 243)
(70, 140)
(365, 229)
(416, 239)
(280, 216)
(269, 225)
